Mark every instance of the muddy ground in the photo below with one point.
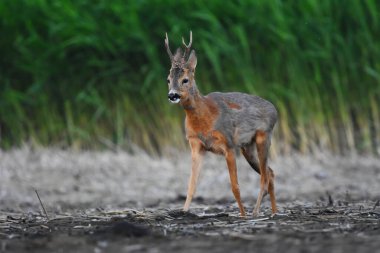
(117, 202)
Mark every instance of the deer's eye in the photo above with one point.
(184, 81)
(168, 81)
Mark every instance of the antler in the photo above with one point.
(168, 48)
(187, 47)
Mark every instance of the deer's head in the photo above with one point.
(181, 77)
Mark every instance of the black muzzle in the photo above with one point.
(174, 97)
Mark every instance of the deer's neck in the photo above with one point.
(194, 99)
(199, 107)
(201, 114)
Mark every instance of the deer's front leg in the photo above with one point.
(196, 157)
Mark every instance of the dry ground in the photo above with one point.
(116, 202)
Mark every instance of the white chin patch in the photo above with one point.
(175, 101)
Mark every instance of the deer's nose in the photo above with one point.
(174, 97)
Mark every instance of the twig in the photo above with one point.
(330, 199)
(376, 204)
(43, 208)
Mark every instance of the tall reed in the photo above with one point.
(92, 73)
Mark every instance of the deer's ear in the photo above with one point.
(192, 61)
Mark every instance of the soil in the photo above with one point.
(117, 202)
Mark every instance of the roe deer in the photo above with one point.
(222, 123)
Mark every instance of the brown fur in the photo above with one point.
(202, 119)
(233, 105)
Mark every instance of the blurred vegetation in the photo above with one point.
(90, 74)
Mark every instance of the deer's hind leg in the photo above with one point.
(250, 155)
(262, 140)
(271, 191)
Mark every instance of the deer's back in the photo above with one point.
(241, 115)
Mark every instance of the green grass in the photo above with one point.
(90, 74)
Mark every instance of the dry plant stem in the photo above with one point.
(376, 205)
(43, 208)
